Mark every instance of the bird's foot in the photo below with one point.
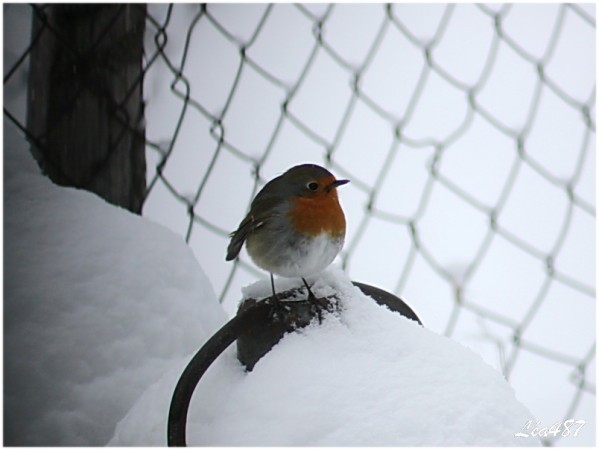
(318, 305)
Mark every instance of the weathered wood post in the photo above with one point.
(85, 100)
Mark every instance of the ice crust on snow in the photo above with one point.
(364, 377)
(98, 304)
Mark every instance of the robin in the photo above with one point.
(295, 226)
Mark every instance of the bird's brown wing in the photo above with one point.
(238, 237)
(266, 207)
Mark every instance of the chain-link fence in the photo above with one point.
(467, 131)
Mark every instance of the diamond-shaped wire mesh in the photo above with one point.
(468, 132)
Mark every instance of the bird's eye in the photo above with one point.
(312, 185)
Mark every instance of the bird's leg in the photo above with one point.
(278, 308)
(318, 304)
(272, 285)
(311, 296)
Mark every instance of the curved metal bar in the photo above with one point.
(384, 298)
(177, 418)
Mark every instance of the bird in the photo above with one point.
(295, 226)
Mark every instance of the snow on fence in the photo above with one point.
(467, 131)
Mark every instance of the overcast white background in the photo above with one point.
(507, 282)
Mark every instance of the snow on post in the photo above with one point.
(365, 376)
(295, 311)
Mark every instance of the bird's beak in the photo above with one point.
(336, 183)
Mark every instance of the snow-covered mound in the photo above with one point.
(98, 305)
(364, 377)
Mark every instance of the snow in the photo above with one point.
(365, 376)
(103, 309)
(98, 304)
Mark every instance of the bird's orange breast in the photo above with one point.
(318, 214)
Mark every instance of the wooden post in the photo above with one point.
(85, 99)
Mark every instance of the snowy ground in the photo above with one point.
(103, 309)
(98, 304)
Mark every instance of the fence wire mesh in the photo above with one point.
(469, 145)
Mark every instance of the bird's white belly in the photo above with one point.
(310, 257)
